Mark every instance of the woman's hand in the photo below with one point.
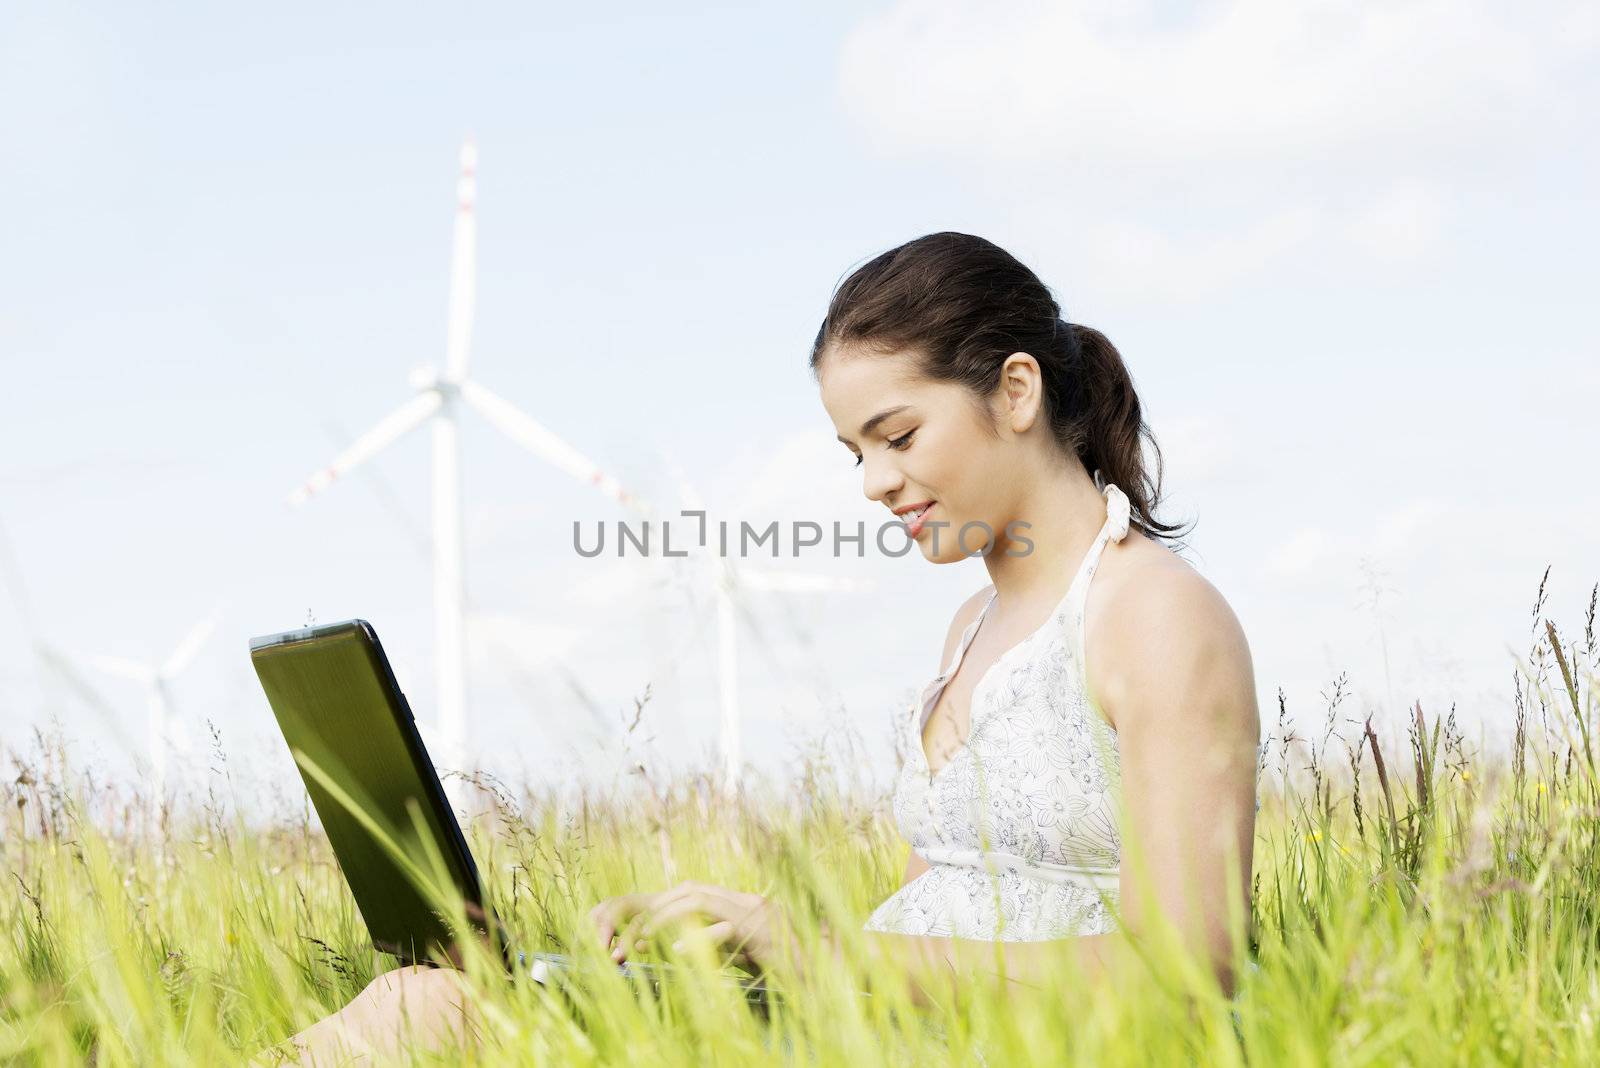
(750, 927)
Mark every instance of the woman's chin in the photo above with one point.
(947, 551)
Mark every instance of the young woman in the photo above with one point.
(1096, 689)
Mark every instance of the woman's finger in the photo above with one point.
(633, 918)
(601, 916)
(612, 913)
(717, 903)
(631, 937)
(717, 934)
(625, 927)
(693, 905)
(628, 940)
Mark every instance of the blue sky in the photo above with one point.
(1346, 251)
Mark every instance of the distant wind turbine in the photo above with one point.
(437, 399)
(157, 681)
(53, 663)
(730, 582)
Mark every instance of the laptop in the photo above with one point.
(355, 741)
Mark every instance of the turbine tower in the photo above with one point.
(438, 397)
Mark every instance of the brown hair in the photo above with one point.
(962, 305)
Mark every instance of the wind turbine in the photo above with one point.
(438, 398)
(57, 664)
(729, 583)
(157, 680)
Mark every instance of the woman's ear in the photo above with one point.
(1023, 386)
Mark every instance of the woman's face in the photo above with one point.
(924, 442)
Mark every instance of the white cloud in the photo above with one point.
(1286, 130)
(1247, 80)
(1401, 225)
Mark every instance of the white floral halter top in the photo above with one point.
(1019, 827)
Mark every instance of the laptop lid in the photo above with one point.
(356, 744)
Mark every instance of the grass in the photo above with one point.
(1415, 902)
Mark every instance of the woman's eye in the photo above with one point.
(894, 443)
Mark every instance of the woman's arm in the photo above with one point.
(1188, 730)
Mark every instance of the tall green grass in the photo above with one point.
(1415, 902)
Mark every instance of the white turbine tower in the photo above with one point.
(438, 398)
(157, 680)
(729, 582)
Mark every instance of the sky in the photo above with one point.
(1346, 250)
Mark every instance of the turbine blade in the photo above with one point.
(68, 672)
(403, 419)
(121, 667)
(532, 436)
(463, 267)
(688, 496)
(387, 496)
(190, 647)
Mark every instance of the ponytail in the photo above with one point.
(1109, 428)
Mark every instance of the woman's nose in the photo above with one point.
(879, 479)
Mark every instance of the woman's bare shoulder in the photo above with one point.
(1151, 582)
(1155, 610)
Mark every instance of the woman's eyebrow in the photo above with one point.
(867, 427)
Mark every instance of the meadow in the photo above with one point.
(1418, 900)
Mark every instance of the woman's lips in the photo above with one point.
(914, 526)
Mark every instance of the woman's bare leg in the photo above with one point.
(407, 1008)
